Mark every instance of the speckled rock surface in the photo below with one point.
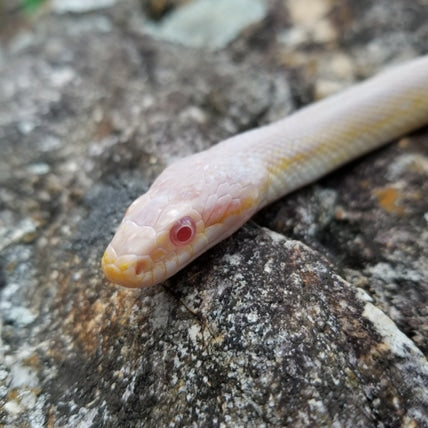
(313, 314)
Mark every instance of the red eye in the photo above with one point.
(183, 231)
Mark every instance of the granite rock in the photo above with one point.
(314, 313)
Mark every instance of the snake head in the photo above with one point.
(152, 242)
(188, 209)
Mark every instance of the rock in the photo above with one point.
(314, 313)
(80, 6)
(208, 24)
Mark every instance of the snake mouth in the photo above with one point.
(128, 270)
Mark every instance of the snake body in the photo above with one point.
(202, 199)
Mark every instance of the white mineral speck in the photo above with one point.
(13, 408)
(252, 317)
(194, 332)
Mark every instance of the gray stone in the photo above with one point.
(211, 24)
(80, 6)
(313, 314)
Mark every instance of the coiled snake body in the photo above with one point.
(202, 199)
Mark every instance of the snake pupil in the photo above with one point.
(184, 234)
(183, 231)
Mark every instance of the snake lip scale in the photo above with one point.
(200, 200)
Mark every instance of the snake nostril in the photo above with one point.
(140, 266)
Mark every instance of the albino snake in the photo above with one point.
(202, 199)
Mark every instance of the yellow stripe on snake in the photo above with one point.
(202, 199)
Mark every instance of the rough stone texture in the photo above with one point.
(278, 325)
